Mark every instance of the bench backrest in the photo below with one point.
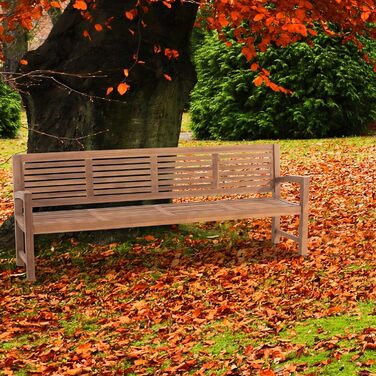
(90, 177)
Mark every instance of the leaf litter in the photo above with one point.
(206, 299)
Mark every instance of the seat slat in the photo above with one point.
(131, 216)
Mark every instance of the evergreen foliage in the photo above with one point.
(334, 91)
(10, 112)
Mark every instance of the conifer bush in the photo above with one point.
(10, 112)
(334, 91)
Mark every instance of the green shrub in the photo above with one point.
(10, 112)
(334, 92)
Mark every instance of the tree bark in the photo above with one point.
(69, 112)
(69, 106)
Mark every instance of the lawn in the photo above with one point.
(207, 299)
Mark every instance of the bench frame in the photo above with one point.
(26, 199)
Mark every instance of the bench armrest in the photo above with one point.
(303, 181)
(25, 206)
(21, 195)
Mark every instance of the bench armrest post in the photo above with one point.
(303, 182)
(23, 205)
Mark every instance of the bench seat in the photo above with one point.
(154, 215)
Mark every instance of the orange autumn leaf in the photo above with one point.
(254, 67)
(80, 4)
(258, 80)
(98, 27)
(123, 88)
(109, 90)
(131, 14)
(167, 77)
(259, 17)
(24, 62)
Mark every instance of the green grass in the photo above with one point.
(10, 147)
(327, 336)
(186, 122)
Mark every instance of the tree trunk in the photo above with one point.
(69, 110)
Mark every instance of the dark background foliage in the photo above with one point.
(10, 111)
(334, 91)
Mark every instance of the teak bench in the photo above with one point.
(57, 181)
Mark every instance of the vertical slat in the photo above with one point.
(276, 221)
(89, 177)
(215, 166)
(154, 173)
(303, 223)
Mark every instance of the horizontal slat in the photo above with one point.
(178, 177)
(113, 179)
(251, 165)
(122, 185)
(162, 171)
(124, 167)
(60, 177)
(246, 154)
(143, 172)
(185, 187)
(176, 182)
(206, 158)
(251, 183)
(244, 177)
(116, 161)
(57, 195)
(182, 165)
(101, 154)
(60, 170)
(66, 188)
(117, 191)
(52, 183)
(53, 164)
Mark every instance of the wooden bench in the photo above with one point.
(56, 181)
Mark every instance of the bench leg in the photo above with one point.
(20, 245)
(30, 258)
(303, 233)
(276, 225)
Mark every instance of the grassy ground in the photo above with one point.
(208, 299)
